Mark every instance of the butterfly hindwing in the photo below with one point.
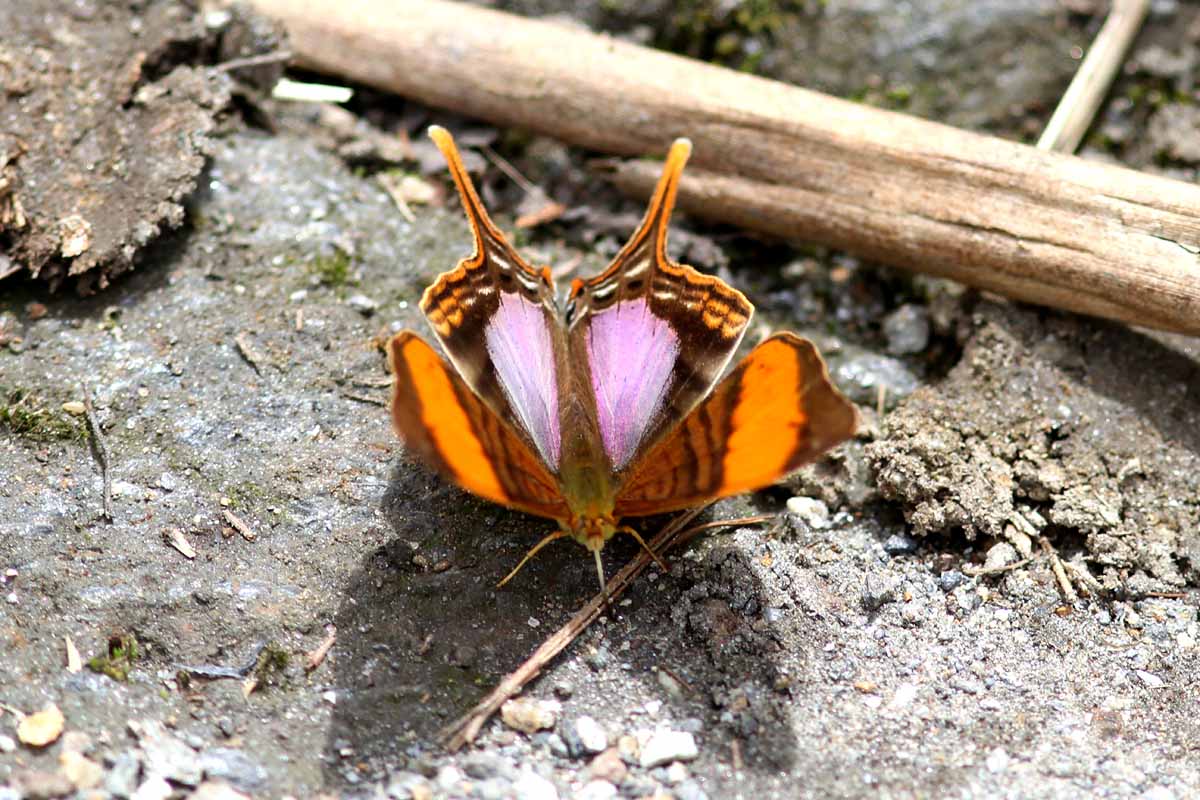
(774, 412)
(445, 424)
(495, 316)
(656, 334)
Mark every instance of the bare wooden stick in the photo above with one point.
(101, 449)
(1077, 109)
(464, 730)
(1038, 226)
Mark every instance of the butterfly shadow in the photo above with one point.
(423, 632)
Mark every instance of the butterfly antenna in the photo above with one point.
(556, 535)
(646, 547)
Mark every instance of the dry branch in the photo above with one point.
(1037, 226)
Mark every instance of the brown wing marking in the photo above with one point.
(449, 428)
(460, 302)
(776, 411)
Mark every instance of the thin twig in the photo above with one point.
(363, 398)
(254, 61)
(976, 572)
(691, 533)
(249, 352)
(509, 170)
(464, 730)
(239, 525)
(1056, 566)
(1083, 97)
(317, 657)
(101, 449)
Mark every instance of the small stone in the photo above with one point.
(676, 773)
(997, 761)
(531, 786)
(482, 766)
(878, 592)
(907, 330)
(235, 767)
(168, 756)
(809, 511)
(596, 790)
(608, 766)
(950, 580)
(408, 786)
(862, 374)
(690, 790)
(528, 715)
(33, 784)
(664, 747)
(81, 771)
(168, 482)
(122, 776)
(628, 748)
(362, 304)
(563, 690)
(298, 296)
(448, 778)
(1000, 555)
(1150, 680)
(154, 788)
(492, 789)
(899, 544)
(42, 728)
(585, 736)
(76, 235)
(216, 790)
(7, 744)
(74, 408)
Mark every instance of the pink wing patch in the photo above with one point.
(631, 353)
(518, 341)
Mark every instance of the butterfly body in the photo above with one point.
(607, 408)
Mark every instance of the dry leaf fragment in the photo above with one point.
(238, 525)
(548, 212)
(176, 539)
(75, 408)
(74, 662)
(42, 728)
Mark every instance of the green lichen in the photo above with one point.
(333, 269)
(119, 661)
(271, 667)
(32, 418)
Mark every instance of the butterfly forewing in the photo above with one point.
(495, 316)
(656, 334)
(446, 425)
(774, 412)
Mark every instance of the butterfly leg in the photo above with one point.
(552, 537)
(661, 564)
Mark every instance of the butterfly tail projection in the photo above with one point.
(776, 411)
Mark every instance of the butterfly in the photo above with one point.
(604, 408)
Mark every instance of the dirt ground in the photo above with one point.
(901, 628)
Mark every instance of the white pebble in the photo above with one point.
(667, 746)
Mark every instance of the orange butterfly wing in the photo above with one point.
(449, 428)
(774, 412)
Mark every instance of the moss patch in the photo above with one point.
(31, 417)
(119, 661)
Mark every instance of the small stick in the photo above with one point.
(259, 60)
(238, 525)
(464, 730)
(362, 398)
(101, 449)
(692, 532)
(1083, 97)
(249, 351)
(1064, 583)
(976, 572)
(508, 169)
(317, 657)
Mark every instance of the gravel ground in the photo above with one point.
(897, 630)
